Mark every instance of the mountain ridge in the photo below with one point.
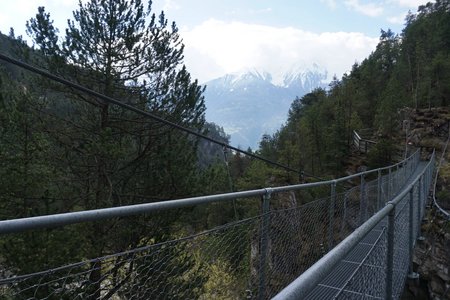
(254, 102)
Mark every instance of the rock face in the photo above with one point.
(426, 128)
(432, 261)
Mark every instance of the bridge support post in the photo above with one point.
(420, 207)
(264, 242)
(390, 254)
(379, 204)
(411, 274)
(389, 185)
(363, 201)
(331, 215)
(405, 170)
(398, 182)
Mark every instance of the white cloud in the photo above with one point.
(260, 11)
(368, 9)
(399, 19)
(402, 5)
(330, 3)
(410, 3)
(216, 47)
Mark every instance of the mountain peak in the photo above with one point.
(296, 75)
(251, 74)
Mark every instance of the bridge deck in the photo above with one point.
(336, 284)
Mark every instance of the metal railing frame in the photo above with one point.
(306, 282)
(362, 144)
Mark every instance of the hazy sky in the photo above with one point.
(224, 36)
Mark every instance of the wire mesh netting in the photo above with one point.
(196, 267)
(401, 247)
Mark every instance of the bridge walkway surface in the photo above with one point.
(348, 279)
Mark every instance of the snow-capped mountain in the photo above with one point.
(254, 102)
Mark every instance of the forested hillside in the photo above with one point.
(410, 69)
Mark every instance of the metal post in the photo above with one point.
(331, 215)
(403, 173)
(344, 216)
(419, 210)
(389, 186)
(379, 190)
(397, 184)
(411, 274)
(362, 203)
(423, 180)
(390, 254)
(264, 241)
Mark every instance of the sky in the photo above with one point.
(229, 36)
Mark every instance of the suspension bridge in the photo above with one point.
(355, 243)
(352, 237)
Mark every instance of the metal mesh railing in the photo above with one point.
(374, 261)
(169, 270)
(254, 257)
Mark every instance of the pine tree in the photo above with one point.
(122, 50)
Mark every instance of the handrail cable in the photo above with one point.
(443, 211)
(143, 113)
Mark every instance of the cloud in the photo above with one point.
(399, 19)
(217, 47)
(330, 3)
(368, 9)
(260, 11)
(410, 3)
(403, 4)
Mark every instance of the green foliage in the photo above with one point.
(257, 175)
(221, 283)
(443, 196)
(381, 154)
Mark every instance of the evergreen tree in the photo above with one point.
(122, 50)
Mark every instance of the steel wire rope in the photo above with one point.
(143, 113)
(440, 163)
